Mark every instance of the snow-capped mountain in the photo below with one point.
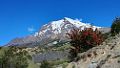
(57, 27)
(55, 30)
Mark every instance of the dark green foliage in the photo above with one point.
(12, 59)
(45, 64)
(106, 35)
(0, 48)
(115, 27)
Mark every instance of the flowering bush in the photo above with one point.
(82, 40)
(90, 38)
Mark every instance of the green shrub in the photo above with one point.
(45, 64)
(115, 27)
(12, 59)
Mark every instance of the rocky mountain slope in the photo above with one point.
(107, 55)
(55, 30)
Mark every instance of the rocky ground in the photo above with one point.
(107, 55)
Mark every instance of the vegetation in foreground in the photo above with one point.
(12, 57)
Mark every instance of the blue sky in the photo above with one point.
(19, 18)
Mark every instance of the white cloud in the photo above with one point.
(31, 29)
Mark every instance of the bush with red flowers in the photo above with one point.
(83, 40)
(90, 38)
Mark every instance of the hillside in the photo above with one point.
(107, 55)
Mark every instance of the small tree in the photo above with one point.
(115, 27)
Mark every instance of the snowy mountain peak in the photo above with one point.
(60, 26)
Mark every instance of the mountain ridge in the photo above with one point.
(52, 31)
